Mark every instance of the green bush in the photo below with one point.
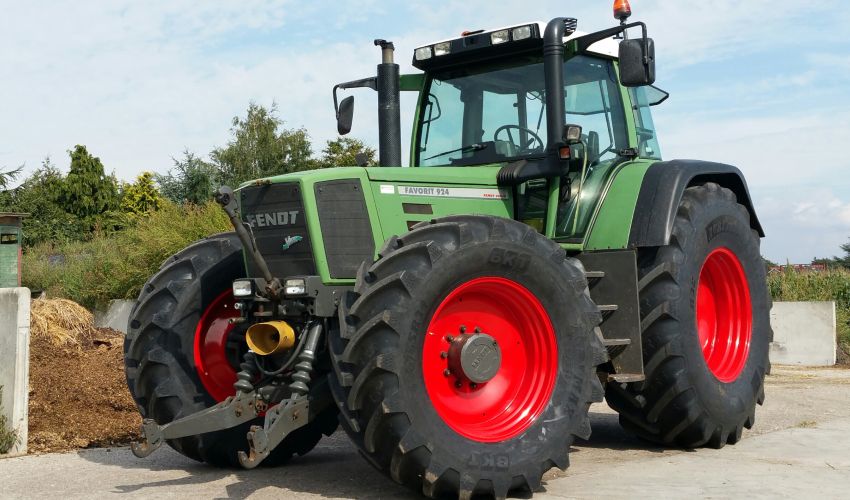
(8, 437)
(115, 265)
(834, 284)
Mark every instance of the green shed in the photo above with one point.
(10, 249)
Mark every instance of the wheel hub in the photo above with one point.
(474, 358)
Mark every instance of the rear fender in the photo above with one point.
(661, 192)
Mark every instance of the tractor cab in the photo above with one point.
(556, 108)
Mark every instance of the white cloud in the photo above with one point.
(139, 82)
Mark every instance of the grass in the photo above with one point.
(116, 265)
(8, 437)
(834, 284)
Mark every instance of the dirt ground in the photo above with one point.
(78, 395)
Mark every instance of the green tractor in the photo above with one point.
(457, 318)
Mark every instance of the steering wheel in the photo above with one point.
(534, 145)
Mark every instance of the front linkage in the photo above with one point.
(282, 415)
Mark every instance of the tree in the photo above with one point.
(258, 149)
(88, 192)
(8, 176)
(343, 152)
(192, 180)
(141, 197)
(40, 196)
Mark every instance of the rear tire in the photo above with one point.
(160, 353)
(389, 371)
(706, 328)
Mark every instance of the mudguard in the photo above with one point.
(661, 192)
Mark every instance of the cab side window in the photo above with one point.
(642, 99)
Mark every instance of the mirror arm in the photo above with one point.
(371, 82)
(584, 42)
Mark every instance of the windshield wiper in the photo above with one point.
(471, 147)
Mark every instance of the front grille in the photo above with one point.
(275, 213)
(346, 230)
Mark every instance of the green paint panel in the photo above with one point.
(10, 250)
(411, 82)
(445, 190)
(612, 221)
(434, 199)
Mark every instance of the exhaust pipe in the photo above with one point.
(389, 108)
(269, 338)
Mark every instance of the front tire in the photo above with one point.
(705, 325)
(408, 401)
(179, 352)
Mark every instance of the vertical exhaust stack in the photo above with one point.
(389, 108)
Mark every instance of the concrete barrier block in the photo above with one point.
(803, 333)
(14, 361)
(115, 316)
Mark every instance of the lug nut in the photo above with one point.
(444, 355)
(447, 372)
(449, 338)
(477, 330)
(462, 329)
(473, 385)
(458, 384)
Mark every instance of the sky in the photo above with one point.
(760, 84)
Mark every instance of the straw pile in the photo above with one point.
(61, 322)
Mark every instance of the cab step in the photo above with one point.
(616, 346)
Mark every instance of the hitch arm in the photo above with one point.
(235, 410)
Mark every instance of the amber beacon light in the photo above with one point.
(622, 10)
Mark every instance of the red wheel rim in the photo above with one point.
(506, 405)
(724, 314)
(211, 334)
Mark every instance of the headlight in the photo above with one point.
(296, 286)
(423, 53)
(500, 36)
(521, 33)
(243, 288)
(442, 48)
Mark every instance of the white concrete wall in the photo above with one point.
(14, 361)
(116, 316)
(803, 333)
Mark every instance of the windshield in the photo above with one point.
(494, 113)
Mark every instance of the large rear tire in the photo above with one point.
(181, 355)
(706, 328)
(408, 395)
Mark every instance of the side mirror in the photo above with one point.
(345, 115)
(637, 62)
